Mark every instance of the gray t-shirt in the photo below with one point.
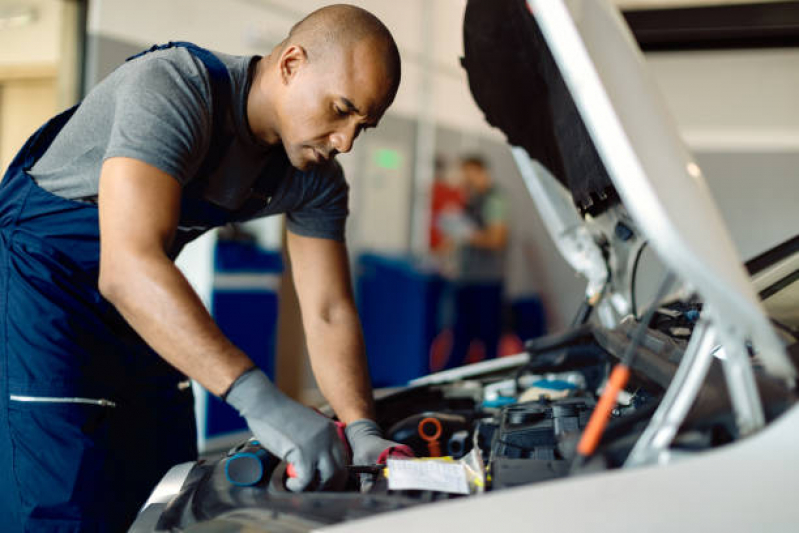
(158, 109)
(479, 265)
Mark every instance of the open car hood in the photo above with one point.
(565, 81)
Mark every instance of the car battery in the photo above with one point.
(532, 430)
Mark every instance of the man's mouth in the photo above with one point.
(319, 156)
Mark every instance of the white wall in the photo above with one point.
(733, 100)
(36, 42)
(37, 67)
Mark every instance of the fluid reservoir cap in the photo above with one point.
(430, 429)
(246, 468)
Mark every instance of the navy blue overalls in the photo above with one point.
(90, 416)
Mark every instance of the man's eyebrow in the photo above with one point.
(350, 106)
(352, 109)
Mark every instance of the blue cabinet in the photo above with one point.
(244, 303)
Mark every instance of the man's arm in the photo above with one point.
(139, 209)
(333, 331)
(493, 237)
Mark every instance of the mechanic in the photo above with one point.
(481, 266)
(98, 326)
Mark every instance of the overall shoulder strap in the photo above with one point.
(219, 78)
(38, 143)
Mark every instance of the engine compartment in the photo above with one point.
(524, 423)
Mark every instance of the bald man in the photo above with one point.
(98, 327)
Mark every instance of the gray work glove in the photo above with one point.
(293, 432)
(367, 442)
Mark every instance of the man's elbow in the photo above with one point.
(118, 273)
(110, 282)
(336, 314)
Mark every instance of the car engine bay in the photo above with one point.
(523, 418)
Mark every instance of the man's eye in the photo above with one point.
(340, 112)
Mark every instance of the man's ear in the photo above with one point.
(292, 59)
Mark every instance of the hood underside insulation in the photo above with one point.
(516, 83)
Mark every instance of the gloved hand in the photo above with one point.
(293, 432)
(368, 444)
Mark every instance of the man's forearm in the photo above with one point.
(338, 359)
(158, 302)
(491, 238)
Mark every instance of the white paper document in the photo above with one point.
(427, 475)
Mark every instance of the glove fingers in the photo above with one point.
(333, 476)
(304, 473)
(333, 467)
(299, 483)
(397, 450)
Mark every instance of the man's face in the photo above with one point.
(327, 103)
(476, 177)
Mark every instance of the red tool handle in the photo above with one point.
(599, 418)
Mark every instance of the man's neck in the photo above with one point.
(260, 109)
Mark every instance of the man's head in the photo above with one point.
(333, 76)
(475, 173)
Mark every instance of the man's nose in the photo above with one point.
(343, 138)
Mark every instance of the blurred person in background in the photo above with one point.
(447, 202)
(445, 197)
(482, 241)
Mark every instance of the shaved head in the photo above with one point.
(329, 81)
(336, 29)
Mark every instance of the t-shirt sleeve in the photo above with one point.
(162, 116)
(324, 213)
(495, 210)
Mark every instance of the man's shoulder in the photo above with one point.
(497, 195)
(237, 65)
(179, 64)
(495, 205)
(176, 60)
